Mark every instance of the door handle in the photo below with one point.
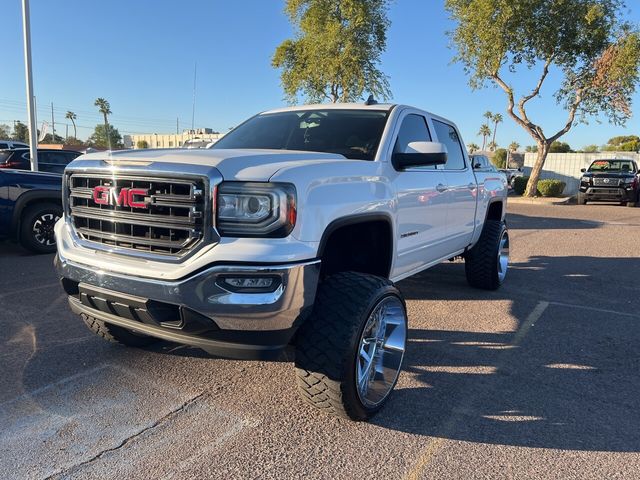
(441, 188)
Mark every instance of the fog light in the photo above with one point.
(249, 284)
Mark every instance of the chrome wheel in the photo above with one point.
(503, 256)
(380, 351)
(42, 228)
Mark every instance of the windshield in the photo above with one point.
(352, 133)
(612, 166)
(4, 156)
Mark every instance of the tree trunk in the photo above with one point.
(106, 131)
(532, 184)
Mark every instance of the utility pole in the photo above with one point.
(53, 126)
(31, 108)
(177, 126)
(193, 110)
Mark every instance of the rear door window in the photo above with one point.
(449, 136)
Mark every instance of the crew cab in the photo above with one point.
(614, 180)
(30, 205)
(289, 233)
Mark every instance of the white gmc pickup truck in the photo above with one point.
(288, 233)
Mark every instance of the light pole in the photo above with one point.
(31, 108)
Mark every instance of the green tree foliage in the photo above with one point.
(105, 109)
(484, 132)
(72, 116)
(531, 149)
(99, 138)
(20, 132)
(499, 158)
(142, 144)
(588, 43)
(74, 141)
(472, 148)
(49, 138)
(336, 50)
(5, 132)
(626, 143)
(497, 118)
(560, 147)
(591, 149)
(514, 146)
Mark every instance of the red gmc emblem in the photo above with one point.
(125, 197)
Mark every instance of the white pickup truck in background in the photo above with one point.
(289, 232)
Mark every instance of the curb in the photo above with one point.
(539, 200)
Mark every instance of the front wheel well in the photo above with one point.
(363, 246)
(495, 211)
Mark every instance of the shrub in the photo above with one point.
(551, 187)
(520, 185)
(499, 158)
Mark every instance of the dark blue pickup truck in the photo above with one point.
(30, 205)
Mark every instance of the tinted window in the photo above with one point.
(352, 133)
(55, 158)
(448, 135)
(3, 145)
(413, 129)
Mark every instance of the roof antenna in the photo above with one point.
(371, 101)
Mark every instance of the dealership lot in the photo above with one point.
(537, 380)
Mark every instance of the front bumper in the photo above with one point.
(609, 194)
(197, 310)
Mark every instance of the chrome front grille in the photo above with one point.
(169, 218)
(606, 182)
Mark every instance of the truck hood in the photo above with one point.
(609, 174)
(245, 165)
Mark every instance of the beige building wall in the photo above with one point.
(169, 140)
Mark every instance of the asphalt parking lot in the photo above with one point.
(537, 380)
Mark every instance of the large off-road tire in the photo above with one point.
(582, 199)
(115, 334)
(487, 262)
(349, 352)
(36, 227)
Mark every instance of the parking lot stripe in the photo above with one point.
(27, 290)
(434, 445)
(595, 309)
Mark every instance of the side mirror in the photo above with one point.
(519, 169)
(583, 170)
(420, 154)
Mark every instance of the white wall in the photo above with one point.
(566, 166)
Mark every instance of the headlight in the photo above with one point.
(248, 209)
(629, 181)
(585, 179)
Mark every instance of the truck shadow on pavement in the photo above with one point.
(570, 381)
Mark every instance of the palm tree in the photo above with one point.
(72, 116)
(472, 147)
(497, 118)
(105, 109)
(513, 147)
(484, 132)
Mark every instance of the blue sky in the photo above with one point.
(140, 56)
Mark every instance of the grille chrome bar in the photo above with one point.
(172, 222)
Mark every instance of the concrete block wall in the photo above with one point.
(566, 166)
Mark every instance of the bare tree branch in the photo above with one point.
(532, 129)
(535, 92)
(570, 119)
